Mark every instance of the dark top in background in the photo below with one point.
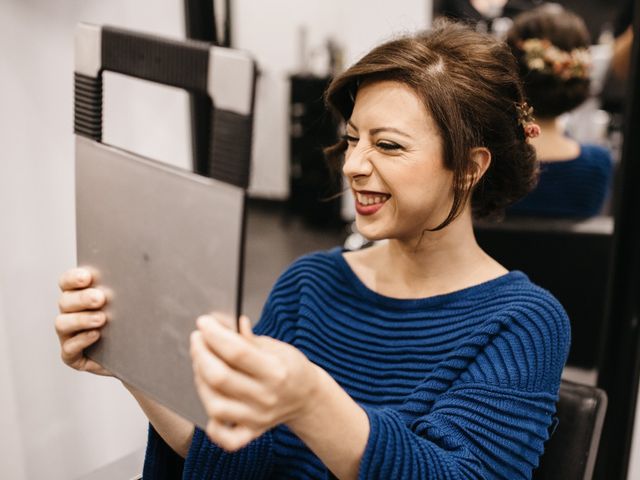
(575, 188)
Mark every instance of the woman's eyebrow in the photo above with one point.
(352, 125)
(374, 131)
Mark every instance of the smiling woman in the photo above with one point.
(418, 358)
(388, 157)
(471, 97)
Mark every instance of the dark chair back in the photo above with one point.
(571, 451)
(571, 260)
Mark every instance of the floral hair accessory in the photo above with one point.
(542, 56)
(532, 130)
(526, 120)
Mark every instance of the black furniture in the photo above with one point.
(313, 186)
(571, 452)
(570, 259)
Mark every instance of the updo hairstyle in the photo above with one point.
(469, 84)
(556, 79)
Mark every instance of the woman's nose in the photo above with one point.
(357, 162)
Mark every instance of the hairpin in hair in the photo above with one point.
(353, 89)
(542, 56)
(526, 120)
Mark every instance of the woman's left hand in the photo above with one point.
(247, 383)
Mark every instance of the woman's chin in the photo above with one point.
(371, 234)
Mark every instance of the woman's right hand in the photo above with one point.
(80, 320)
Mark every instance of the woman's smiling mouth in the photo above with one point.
(368, 203)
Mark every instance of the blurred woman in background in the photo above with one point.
(551, 45)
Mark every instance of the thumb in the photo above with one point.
(245, 328)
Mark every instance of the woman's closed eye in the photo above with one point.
(388, 146)
(350, 139)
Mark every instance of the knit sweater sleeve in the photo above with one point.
(205, 459)
(484, 413)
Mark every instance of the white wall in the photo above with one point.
(56, 423)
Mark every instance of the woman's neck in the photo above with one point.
(441, 262)
(553, 145)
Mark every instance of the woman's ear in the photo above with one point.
(481, 159)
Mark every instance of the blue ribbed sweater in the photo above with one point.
(456, 386)
(574, 188)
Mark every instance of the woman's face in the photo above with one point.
(394, 163)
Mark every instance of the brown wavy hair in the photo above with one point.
(549, 94)
(469, 83)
